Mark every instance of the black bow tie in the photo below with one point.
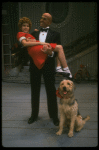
(44, 29)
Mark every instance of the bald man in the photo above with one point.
(45, 34)
(46, 20)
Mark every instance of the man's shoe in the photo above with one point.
(31, 120)
(56, 122)
(71, 78)
(67, 75)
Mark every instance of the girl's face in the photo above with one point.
(25, 27)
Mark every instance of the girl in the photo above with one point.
(36, 49)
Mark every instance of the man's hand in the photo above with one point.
(47, 49)
(36, 30)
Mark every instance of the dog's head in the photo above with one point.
(66, 88)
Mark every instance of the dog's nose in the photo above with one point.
(64, 88)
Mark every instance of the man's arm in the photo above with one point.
(49, 51)
(57, 39)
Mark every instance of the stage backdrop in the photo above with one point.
(71, 19)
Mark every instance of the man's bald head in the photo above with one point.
(45, 20)
(49, 16)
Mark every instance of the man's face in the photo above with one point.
(45, 21)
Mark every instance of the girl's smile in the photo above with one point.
(25, 27)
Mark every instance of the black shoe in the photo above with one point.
(32, 119)
(67, 76)
(56, 122)
(71, 78)
(63, 74)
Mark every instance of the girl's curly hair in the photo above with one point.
(24, 20)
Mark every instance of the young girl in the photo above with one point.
(36, 48)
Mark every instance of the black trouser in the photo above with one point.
(49, 80)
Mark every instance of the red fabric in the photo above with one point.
(35, 51)
(58, 94)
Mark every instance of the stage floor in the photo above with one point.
(16, 110)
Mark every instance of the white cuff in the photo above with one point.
(22, 38)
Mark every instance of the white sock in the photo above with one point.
(67, 71)
(65, 68)
(59, 67)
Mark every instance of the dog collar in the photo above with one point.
(58, 94)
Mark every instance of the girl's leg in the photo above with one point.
(58, 67)
(62, 59)
(61, 55)
(58, 62)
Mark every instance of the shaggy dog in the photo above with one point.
(69, 108)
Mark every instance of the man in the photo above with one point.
(48, 72)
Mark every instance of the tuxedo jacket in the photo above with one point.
(52, 37)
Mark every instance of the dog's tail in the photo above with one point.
(86, 119)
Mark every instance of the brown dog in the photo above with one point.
(69, 109)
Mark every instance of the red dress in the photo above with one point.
(35, 52)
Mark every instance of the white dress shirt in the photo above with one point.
(42, 38)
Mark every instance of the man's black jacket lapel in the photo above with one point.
(48, 38)
(36, 34)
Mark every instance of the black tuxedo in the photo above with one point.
(52, 36)
(48, 72)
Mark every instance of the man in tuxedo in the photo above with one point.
(48, 72)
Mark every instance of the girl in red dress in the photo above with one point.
(35, 51)
(35, 47)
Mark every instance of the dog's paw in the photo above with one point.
(70, 134)
(78, 129)
(59, 133)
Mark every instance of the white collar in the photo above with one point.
(46, 28)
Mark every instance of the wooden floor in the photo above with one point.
(16, 110)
